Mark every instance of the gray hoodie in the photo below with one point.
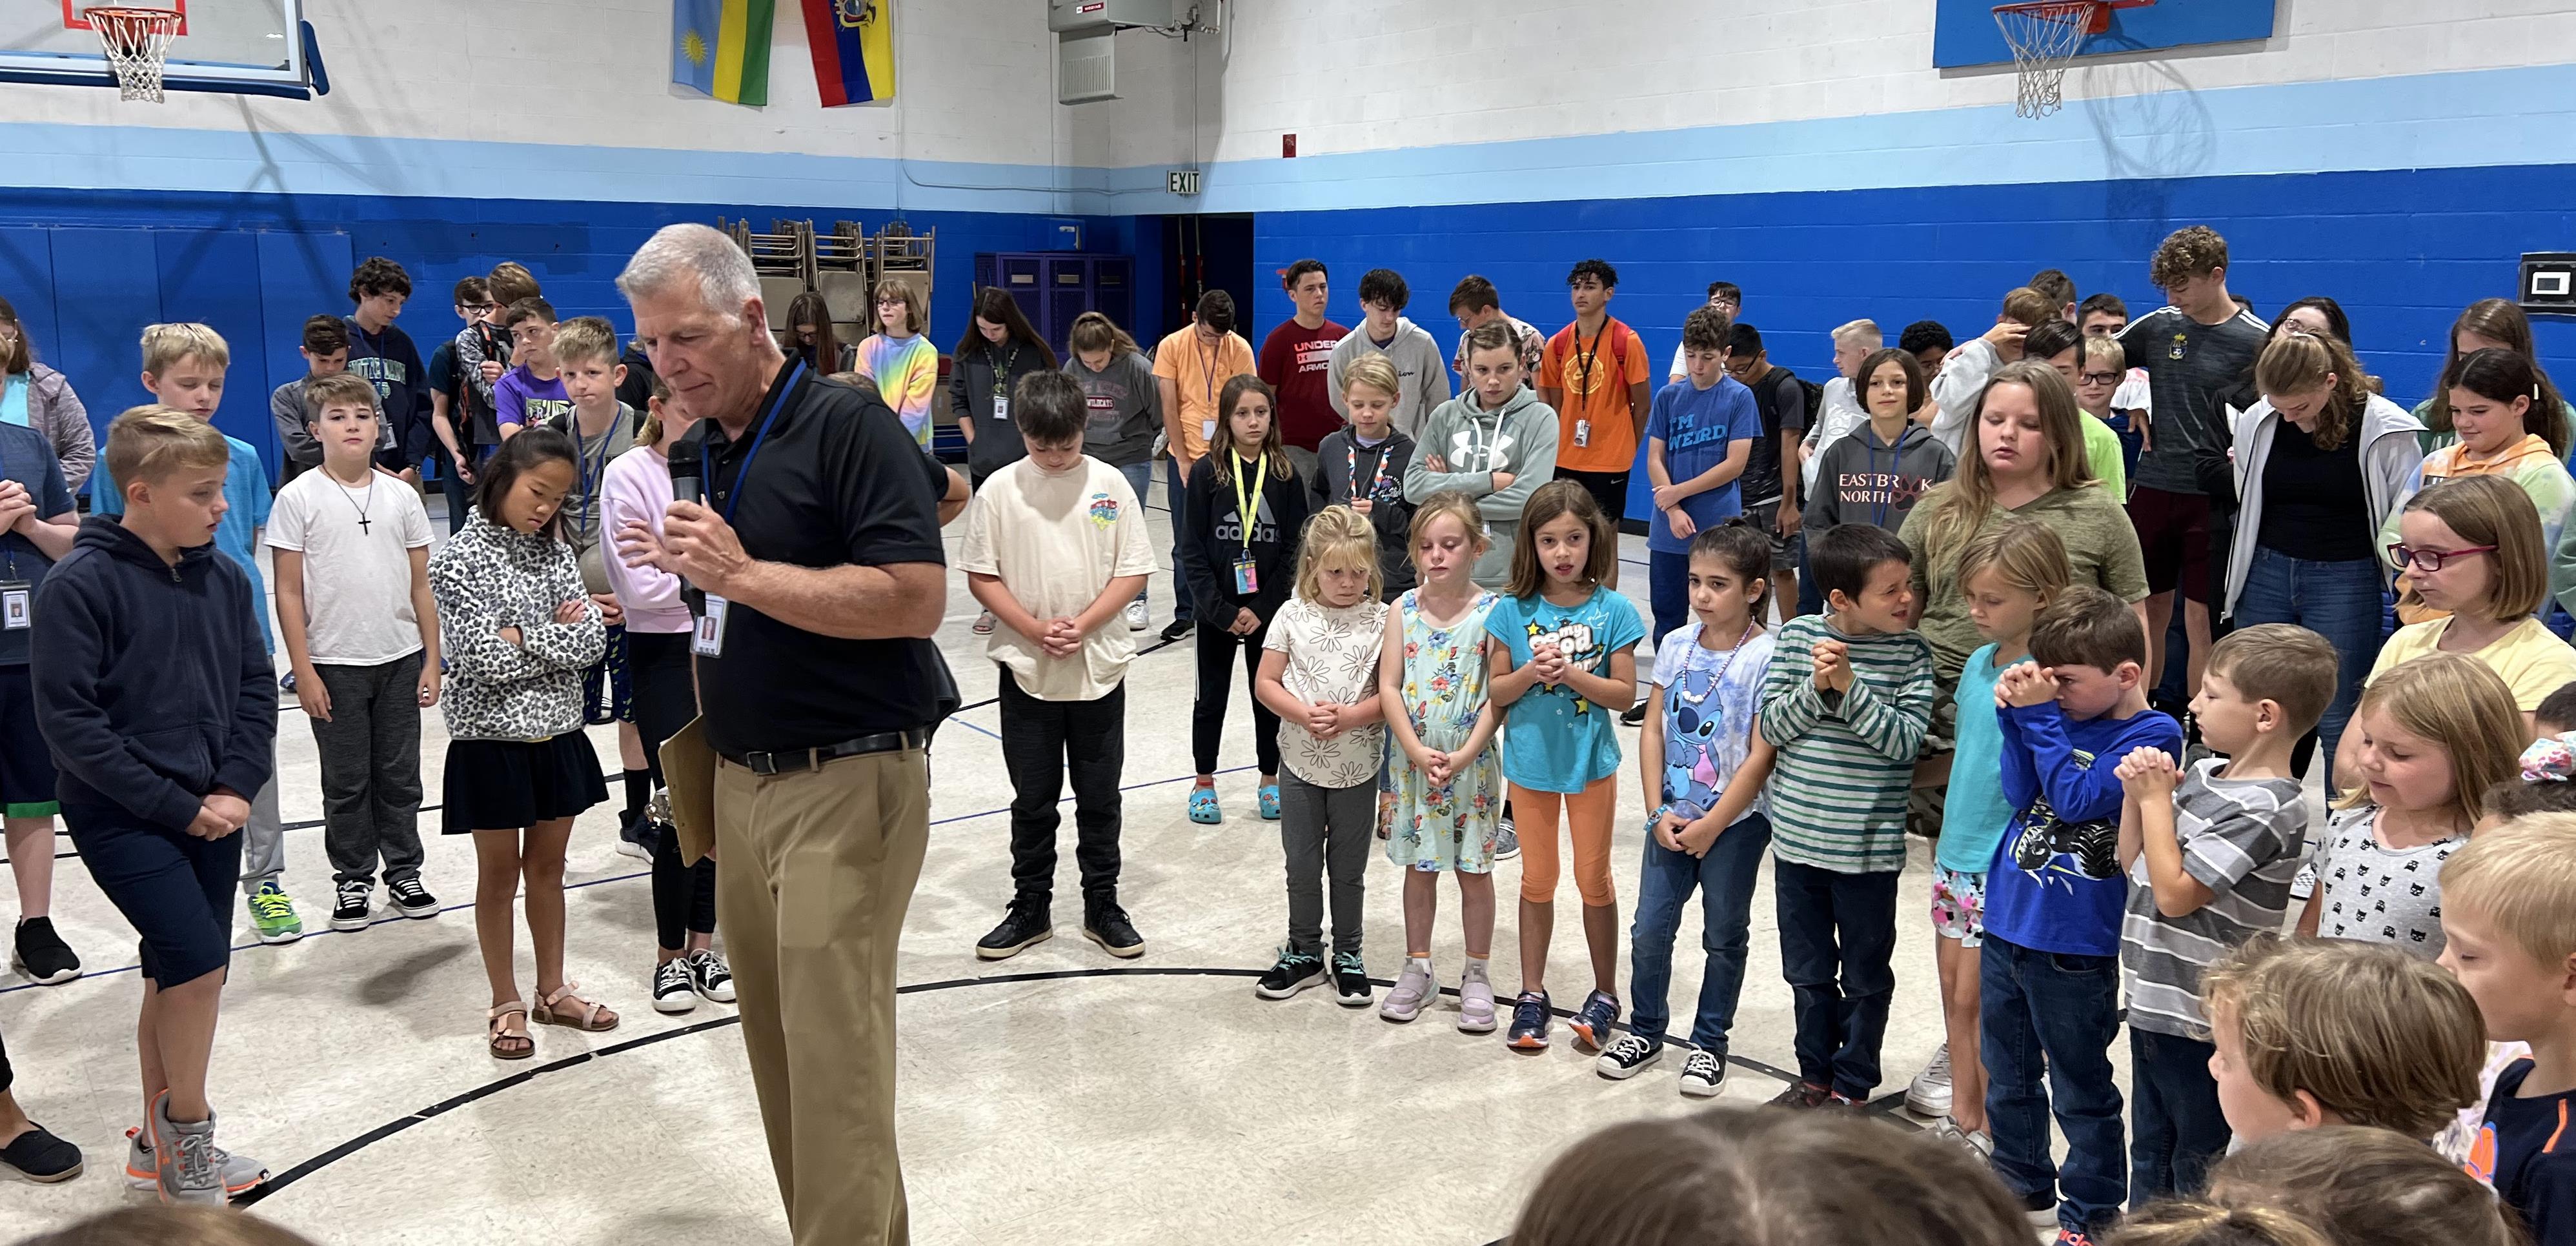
(1862, 479)
(1472, 444)
(1421, 371)
(2390, 453)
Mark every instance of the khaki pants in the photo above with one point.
(813, 873)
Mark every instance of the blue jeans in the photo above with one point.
(1140, 479)
(2174, 1115)
(1837, 949)
(1811, 599)
(2053, 1015)
(1724, 881)
(1668, 592)
(1176, 496)
(2337, 600)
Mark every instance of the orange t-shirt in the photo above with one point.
(1199, 372)
(1595, 379)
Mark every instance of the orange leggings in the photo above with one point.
(1588, 815)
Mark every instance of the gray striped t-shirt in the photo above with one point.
(2243, 839)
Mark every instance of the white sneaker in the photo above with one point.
(1929, 1095)
(1137, 620)
(2305, 884)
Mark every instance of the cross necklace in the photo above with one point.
(365, 525)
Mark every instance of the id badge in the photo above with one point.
(1247, 577)
(709, 640)
(1207, 431)
(1583, 432)
(1001, 408)
(16, 605)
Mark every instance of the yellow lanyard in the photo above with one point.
(1243, 508)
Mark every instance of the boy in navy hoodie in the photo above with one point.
(159, 756)
(385, 356)
(2050, 1002)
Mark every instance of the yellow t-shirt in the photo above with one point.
(2532, 659)
(1199, 372)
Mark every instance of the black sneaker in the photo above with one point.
(1176, 629)
(2040, 1207)
(1029, 922)
(673, 994)
(1628, 1053)
(42, 955)
(1804, 1096)
(411, 899)
(1350, 980)
(634, 835)
(349, 907)
(1636, 715)
(1106, 924)
(1295, 972)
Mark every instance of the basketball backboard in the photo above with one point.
(1964, 32)
(239, 47)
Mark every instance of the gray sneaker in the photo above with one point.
(143, 1169)
(1415, 990)
(1507, 841)
(192, 1166)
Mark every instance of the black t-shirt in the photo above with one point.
(1782, 402)
(637, 389)
(2314, 506)
(837, 482)
(2187, 364)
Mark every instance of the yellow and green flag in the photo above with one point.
(721, 48)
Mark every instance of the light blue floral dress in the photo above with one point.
(1444, 828)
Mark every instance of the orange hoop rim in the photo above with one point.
(2095, 14)
(147, 17)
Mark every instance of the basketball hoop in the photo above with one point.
(137, 43)
(2044, 35)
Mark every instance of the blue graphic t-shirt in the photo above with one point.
(236, 534)
(1697, 427)
(1710, 700)
(2055, 884)
(1553, 739)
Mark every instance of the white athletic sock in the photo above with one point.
(1477, 968)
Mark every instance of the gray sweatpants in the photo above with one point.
(1324, 828)
(264, 836)
(370, 751)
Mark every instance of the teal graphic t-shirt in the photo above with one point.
(1555, 740)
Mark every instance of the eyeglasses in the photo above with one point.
(476, 308)
(892, 303)
(2098, 378)
(2431, 559)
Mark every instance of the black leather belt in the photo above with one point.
(793, 760)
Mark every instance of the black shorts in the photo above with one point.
(26, 765)
(1609, 489)
(174, 888)
(2173, 536)
(497, 785)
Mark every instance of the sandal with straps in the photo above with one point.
(573, 1012)
(504, 1041)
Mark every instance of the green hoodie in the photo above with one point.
(1471, 444)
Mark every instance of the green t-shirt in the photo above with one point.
(2100, 546)
(2102, 455)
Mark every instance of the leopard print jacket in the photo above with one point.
(486, 578)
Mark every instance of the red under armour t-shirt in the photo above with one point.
(1293, 361)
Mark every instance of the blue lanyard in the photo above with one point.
(795, 368)
(591, 481)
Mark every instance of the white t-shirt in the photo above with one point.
(1056, 542)
(1836, 416)
(357, 576)
(1332, 657)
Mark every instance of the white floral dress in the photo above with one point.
(1452, 827)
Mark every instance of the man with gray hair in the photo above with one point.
(818, 552)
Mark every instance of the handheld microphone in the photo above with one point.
(688, 484)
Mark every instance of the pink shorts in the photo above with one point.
(1959, 906)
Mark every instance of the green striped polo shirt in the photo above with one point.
(1846, 763)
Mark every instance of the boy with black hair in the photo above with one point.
(386, 357)
(2049, 981)
(1772, 484)
(2103, 313)
(1845, 701)
(1056, 547)
(1476, 304)
(2196, 345)
(1929, 342)
(1191, 367)
(1595, 377)
(531, 393)
(1384, 331)
(326, 353)
(1723, 296)
(156, 813)
(1297, 355)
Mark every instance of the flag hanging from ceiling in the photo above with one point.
(853, 44)
(721, 48)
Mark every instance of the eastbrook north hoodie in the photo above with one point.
(1421, 372)
(1472, 444)
(1862, 479)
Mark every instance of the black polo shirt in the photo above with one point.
(837, 482)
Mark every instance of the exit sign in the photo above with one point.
(1181, 182)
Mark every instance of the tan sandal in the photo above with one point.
(508, 1042)
(573, 1012)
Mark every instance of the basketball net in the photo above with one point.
(2044, 37)
(137, 43)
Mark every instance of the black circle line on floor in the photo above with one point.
(378, 1134)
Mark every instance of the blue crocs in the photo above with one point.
(1270, 802)
(1203, 806)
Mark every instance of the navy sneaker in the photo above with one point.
(1529, 1022)
(1594, 1022)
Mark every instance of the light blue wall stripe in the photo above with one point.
(2466, 119)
